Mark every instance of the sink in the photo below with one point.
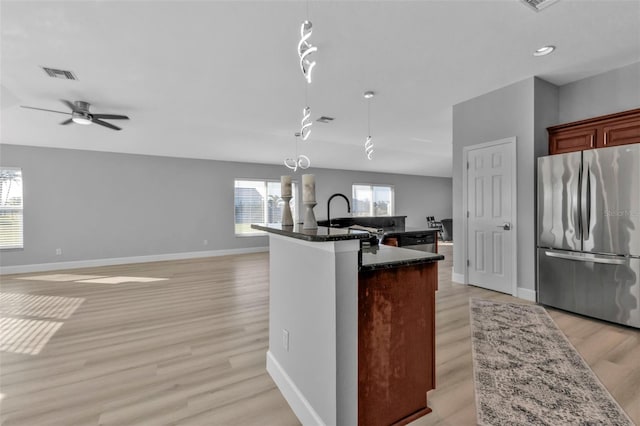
(337, 223)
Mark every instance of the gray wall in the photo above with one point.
(546, 106)
(606, 93)
(96, 205)
(497, 115)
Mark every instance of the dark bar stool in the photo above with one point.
(447, 229)
(433, 223)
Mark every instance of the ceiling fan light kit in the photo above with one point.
(80, 113)
(544, 50)
(80, 119)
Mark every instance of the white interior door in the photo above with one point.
(491, 209)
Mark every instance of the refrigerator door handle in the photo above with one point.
(591, 258)
(584, 195)
(578, 208)
(588, 202)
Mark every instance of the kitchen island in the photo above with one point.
(392, 230)
(351, 332)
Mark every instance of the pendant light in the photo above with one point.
(368, 144)
(305, 123)
(305, 49)
(305, 53)
(300, 161)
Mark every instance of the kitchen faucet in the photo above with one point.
(329, 205)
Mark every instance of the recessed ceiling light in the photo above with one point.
(544, 50)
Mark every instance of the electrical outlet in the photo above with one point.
(285, 339)
(58, 252)
(205, 242)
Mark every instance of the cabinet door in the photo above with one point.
(396, 343)
(621, 133)
(572, 140)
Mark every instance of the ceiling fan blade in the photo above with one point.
(71, 106)
(42, 109)
(111, 116)
(65, 122)
(105, 124)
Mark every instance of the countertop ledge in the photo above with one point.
(322, 233)
(387, 257)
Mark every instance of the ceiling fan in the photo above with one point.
(80, 114)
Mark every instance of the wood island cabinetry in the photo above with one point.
(609, 130)
(396, 343)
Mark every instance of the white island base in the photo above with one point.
(313, 327)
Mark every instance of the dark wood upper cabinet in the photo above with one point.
(608, 130)
(621, 133)
(572, 140)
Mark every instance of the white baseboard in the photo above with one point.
(298, 403)
(457, 278)
(526, 294)
(39, 267)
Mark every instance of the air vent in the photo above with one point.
(63, 74)
(538, 5)
(325, 119)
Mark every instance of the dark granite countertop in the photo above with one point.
(321, 234)
(385, 257)
(405, 230)
(374, 257)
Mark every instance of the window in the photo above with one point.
(372, 200)
(10, 208)
(258, 201)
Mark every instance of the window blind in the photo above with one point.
(372, 200)
(11, 217)
(258, 201)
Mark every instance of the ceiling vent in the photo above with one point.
(63, 74)
(538, 5)
(325, 119)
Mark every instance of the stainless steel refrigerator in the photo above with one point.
(589, 233)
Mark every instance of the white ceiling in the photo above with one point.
(220, 79)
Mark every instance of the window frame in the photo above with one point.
(371, 186)
(15, 209)
(265, 182)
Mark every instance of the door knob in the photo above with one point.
(506, 226)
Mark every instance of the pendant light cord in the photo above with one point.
(369, 117)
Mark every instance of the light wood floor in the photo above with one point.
(191, 350)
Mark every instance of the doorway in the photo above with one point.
(489, 206)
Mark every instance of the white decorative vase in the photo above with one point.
(309, 216)
(287, 218)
